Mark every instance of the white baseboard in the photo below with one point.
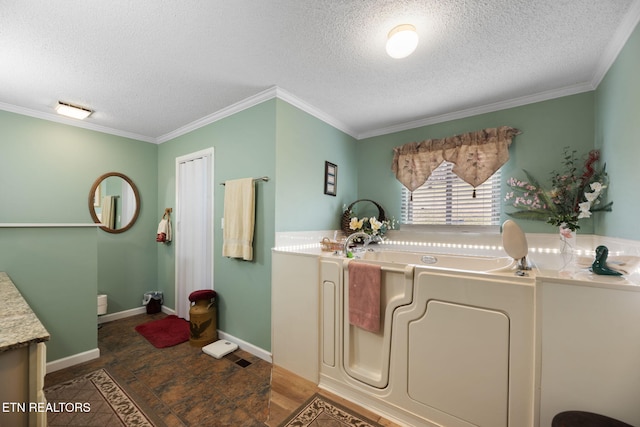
(121, 315)
(75, 359)
(248, 347)
(128, 313)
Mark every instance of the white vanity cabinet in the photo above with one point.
(294, 313)
(590, 349)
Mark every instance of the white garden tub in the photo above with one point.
(445, 261)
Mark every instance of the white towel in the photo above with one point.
(239, 219)
(164, 231)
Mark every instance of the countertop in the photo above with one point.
(548, 267)
(19, 326)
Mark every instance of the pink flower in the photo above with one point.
(565, 232)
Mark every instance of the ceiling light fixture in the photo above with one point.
(73, 111)
(402, 41)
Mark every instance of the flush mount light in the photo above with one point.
(402, 41)
(73, 111)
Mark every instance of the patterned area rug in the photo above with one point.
(319, 411)
(94, 399)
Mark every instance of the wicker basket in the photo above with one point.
(328, 245)
(346, 216)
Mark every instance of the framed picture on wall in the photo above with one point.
(330, 178)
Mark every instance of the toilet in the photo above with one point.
(102, 304)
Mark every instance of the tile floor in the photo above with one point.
(180, 384)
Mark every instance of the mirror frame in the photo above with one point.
(92, 193)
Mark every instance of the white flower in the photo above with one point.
(584, 214)
(597, 187)
(591, 196)
(375, 224)
(584, 210)
(355, 224)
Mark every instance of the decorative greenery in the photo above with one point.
(573, 196)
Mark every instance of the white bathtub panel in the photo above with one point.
(295, 312)
(458, 360)
(367, 354)
(590, 351)
(513, 298)
(328, 323)
(506, 294)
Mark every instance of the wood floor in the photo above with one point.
(289, 391)
(182, 386)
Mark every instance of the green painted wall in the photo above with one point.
(129, 264)
(46, 172)
(55, 270)
(303, 145)
(618, 136)
(244, 146)
(290, 147)
(546, 128)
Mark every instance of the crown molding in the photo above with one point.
(73, 122)
(315, 112)
(489, 108)
(272, 92)
(276, 92)
(220, 114)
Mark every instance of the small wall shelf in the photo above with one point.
(46, 225)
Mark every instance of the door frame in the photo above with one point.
(207, 152)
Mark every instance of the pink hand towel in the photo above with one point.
(364, 296)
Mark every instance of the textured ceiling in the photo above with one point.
(149, 68)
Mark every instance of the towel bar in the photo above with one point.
(392, 269)
(385, 268)
(263, 178)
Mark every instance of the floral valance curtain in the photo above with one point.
(475, 155)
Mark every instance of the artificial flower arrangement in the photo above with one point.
(371, 225)
(574, 195)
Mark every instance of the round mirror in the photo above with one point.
(114, 202)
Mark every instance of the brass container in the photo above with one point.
(202, 323)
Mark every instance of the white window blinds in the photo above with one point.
(445, 199)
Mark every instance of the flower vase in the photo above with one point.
(568, 238)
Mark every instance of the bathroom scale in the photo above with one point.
(219, 348)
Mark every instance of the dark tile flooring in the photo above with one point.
(180, 385)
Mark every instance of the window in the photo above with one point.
(445, 199)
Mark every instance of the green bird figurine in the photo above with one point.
(599, 265)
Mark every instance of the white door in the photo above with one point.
(194, 227)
